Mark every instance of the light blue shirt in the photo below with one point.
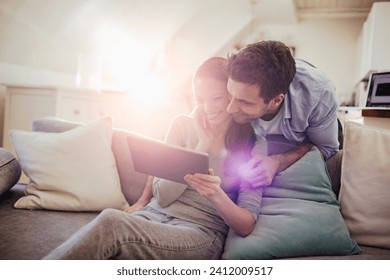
(310, 110)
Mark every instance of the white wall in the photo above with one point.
(18, 74)
(329, 44)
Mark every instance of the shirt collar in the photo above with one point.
(287, 109)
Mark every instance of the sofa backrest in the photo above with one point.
(133, 182)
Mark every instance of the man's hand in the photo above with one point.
(260, 170)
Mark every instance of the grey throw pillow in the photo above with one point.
(10, 170)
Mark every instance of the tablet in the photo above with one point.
(165, 161)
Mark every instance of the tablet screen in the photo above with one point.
(165, 161)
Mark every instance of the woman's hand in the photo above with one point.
(208, 185)
(202, 131)
(135, 207)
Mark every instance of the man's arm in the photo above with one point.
(261, 169)
(323, 126)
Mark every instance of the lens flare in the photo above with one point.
(237, 165)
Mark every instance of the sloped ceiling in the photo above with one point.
(34, 30)
(54, 34)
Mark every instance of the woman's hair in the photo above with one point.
(239, 137)
(267, 64)
(214, 67)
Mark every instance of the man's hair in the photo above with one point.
(267, 64)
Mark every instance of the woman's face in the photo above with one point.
(212, 98)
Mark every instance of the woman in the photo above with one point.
(183, 221)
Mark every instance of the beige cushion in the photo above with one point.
(365, 189)
(71, 171)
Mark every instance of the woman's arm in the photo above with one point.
(145, 197)
(165, 191)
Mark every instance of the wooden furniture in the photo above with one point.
(25, 103)
(373, 42)
(377, 117)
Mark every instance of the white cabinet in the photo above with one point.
(23, 104)
(374, 41)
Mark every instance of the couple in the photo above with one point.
(259, 91)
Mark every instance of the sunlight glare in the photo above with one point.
(128, 65)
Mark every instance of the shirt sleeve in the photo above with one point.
(250, 199)
(323, 128)
(314, 108)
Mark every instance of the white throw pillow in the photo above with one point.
(71, 171)
(365, 189)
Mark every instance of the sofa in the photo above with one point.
(31, 229)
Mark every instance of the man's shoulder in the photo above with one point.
(312, 77)
(310, 83)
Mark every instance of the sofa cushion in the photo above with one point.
(10, 170)
(70, 171)
(132, 182)
(277, 144)
(365, 189)
(299, 216)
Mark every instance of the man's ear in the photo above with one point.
(276, 101)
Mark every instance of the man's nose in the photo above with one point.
(232, 107)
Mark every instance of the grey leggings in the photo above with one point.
(146, 234)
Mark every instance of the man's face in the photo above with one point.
(245, 102)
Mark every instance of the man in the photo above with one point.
(282, 96)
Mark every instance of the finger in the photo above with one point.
(193, 180)
(248, 172)
(261, 183)
(255, 172)
(198, 186)
(206, 178)
(254, 162)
